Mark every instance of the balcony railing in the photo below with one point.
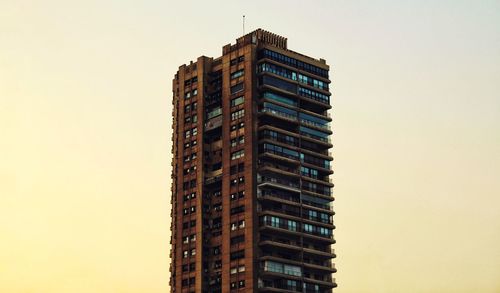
(279, 113)
(279, 138)
(317, 189)
(264, 179)
(213, 123)
(268, 193)
(279, 167)
(318, 205)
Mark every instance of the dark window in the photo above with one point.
(238, 209)
(237, 254)
(237, 88)
(237, 239)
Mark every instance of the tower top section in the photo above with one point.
(256, 37)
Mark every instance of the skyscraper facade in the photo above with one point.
(251, 187)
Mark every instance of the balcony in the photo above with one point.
(280, 169)
(272, 135)
(277, 182)
(320, 266)
(327, 182)
(278, 152)
(213, 123)
(327, 252)
(276, 194)
(280, 112)
(315, 189)
(214, 176)
(326, 280)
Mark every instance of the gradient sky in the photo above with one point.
(85, 110)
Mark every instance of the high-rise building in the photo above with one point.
(251, 192)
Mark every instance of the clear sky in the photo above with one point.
(85, 111)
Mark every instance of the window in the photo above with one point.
(237, 168)
(237, 225)
(195, 92)
(187, 108)
(237, 180)
(293, 62)
(237, 210)
(187, 95)
(308, 228)
(241, 284)
(237, 74)
(237, 141)
(240, 125)
(237, 101)
(187, 134)
(314, 95)
(194, 118)
(237, 239)
(237, 114)
(309, 172)
(278, 70)
(217, 264)
(193, 252)
(216, 250)
(214, 113)
(237, 154)
(276, 267)
(187, 119)
(279, 83)
(237, 195)
(279, 98)
(237, 88)
(237, 254)
(194, 131)
(185, 253)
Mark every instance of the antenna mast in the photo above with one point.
(243, 24)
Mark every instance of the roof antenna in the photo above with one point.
(243, 24)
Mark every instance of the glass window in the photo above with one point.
(237, 101)
(237, 114)
(279, 98)
(237, 154)
(237, 74)
(237, 88)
